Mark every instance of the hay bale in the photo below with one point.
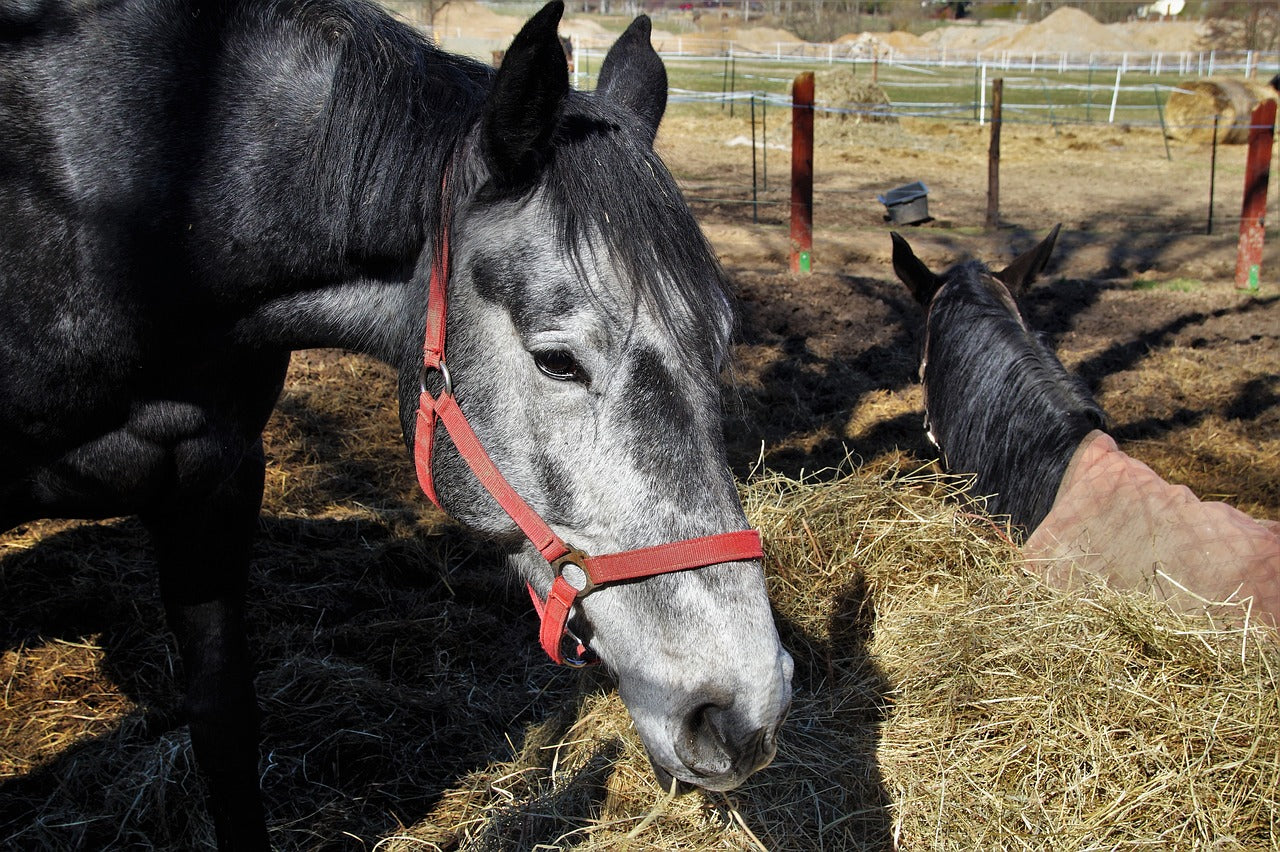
(1194, 103)
(838, 93)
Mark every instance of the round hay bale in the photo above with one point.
(1193, 105)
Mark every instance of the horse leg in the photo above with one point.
(203, 550)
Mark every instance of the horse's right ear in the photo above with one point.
(1020, 274)
(911, 271)
(527, 98)
(633, 75)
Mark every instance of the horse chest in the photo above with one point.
(163, 450)
(133, 438)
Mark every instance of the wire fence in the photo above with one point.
(1201, 63)
(1217, 211)
(1061, 90)
(1071, 88)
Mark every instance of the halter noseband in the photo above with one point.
(576, 573)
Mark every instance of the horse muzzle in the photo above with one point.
(716, 745)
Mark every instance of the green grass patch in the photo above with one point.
(1172, 285)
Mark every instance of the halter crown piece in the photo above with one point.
(576, 574)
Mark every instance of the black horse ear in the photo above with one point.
(528, 96)
(634, 76)
(1020, 274)
(911, 271)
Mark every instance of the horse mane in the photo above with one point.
(400, 110)
(396, 111)
(1000, 403)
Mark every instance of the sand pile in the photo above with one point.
(902, 40)
(962, 38)
(759, 38)
(713, 40)
(1163, 36)
(1066, 30)
(880, 43)
(474, 19)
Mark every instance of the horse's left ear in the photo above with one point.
(634, 76)
(911, 271)
(1020, 274)
(527, 98)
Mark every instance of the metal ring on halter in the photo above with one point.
(577, 575)
(443, 368)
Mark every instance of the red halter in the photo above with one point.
(576, 573)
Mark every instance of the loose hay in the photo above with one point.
(848, 98)
(944, 699)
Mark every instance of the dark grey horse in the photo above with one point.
(190, 190)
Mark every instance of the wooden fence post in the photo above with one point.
(993, 154)
(1252, 215)
(802, 173)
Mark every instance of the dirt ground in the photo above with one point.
(1139, 299)
(395, 658)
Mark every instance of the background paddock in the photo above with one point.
(943, 698)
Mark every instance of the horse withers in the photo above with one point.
(193, 190)
(1000, 405)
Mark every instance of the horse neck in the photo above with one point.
(1003, 408)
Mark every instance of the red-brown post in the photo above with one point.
(802, 173)
(993, 154)
(1257, 172)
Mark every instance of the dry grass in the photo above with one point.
(1228, 442)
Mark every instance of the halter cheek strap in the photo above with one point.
(576, 574)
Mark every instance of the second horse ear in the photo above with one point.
(911, 271)
(633, 75)
(1019, 275)
(528, 97)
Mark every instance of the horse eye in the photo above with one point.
(560, 365)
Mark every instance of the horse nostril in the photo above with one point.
(701, 746)
(766, 747)
(717, 743)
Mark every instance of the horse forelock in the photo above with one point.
(613, 200)
(1000, 403)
